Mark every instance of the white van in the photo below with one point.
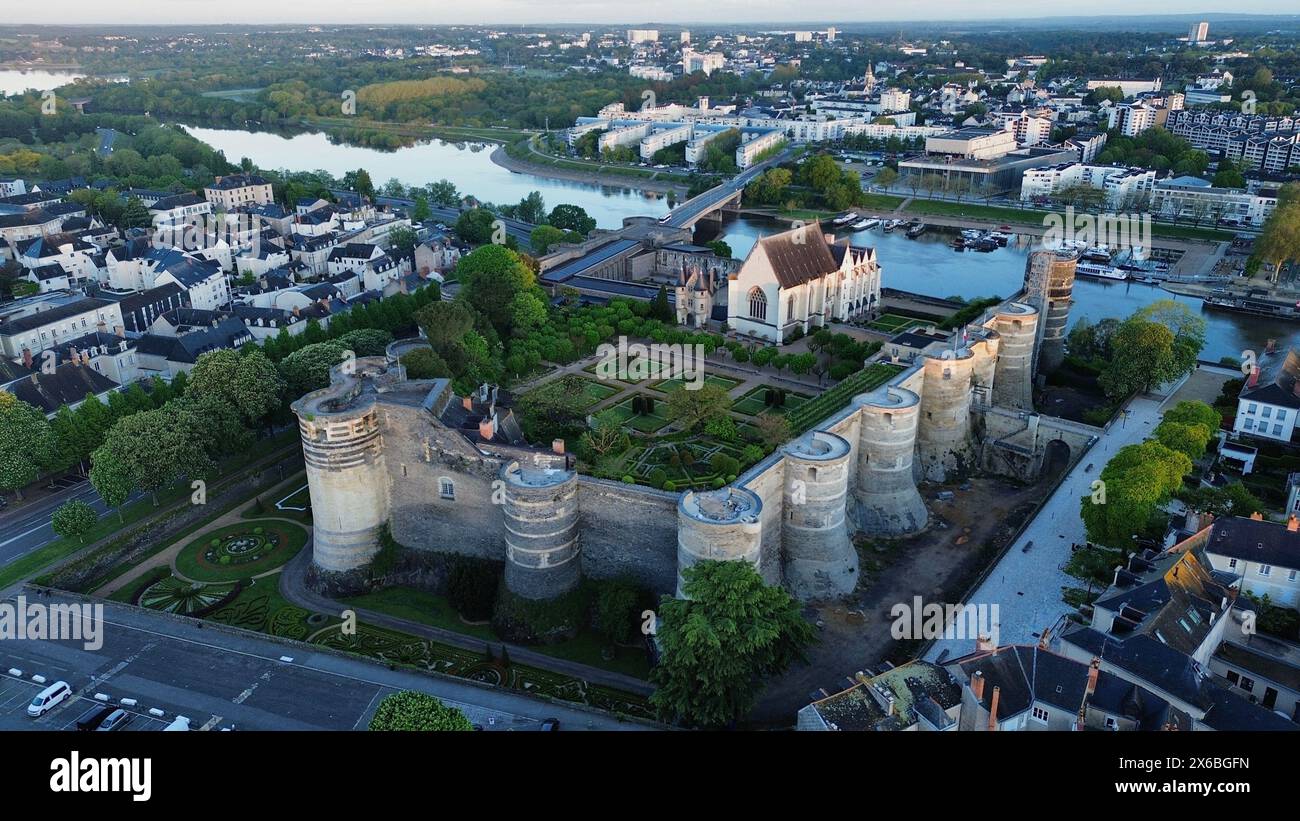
(48, 698)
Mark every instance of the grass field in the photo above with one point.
(644, 423)
(752, 404)
(594, 392)
(670, 385)
(892, 323)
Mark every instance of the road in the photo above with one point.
(1026, 585)
(28, 528)
(219, 678)
(688, 212)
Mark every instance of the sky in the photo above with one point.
(594, 11)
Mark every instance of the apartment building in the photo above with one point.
(236, 190)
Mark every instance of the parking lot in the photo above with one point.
(16, 694)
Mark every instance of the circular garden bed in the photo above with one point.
(240, 551)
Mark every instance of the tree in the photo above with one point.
(721, 640)
(1135, 483)
(402, 241)
(773, 428)
(366, 341)
(423, 363)
(660, 309)
(490, 278)
(245, 378)
(543, 237)
(112, 481)
(1145, 359)
(719, 248)
(606, 436)
(1228, 175)
(26, 443)
(1279, 240)
(359, 181)
(135, 215)
(73, 520)
(419, 712)
(615, 609)
(308, 369)
(531, 209)
(571, 218)
(151, 451)
(1230, 500)
(71, 444)
(692, 408)
(420, 211)
(475, 226)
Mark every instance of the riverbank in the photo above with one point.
(501, 157)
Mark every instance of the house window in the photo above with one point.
(1233, 678)
(757, 304)
(1265, 570)
(1252, 407)
(1249, 425)
(1040, 714)
(1291, 576)
(1232, 564)
(1277, 430)
(1247, 684)
(446, 489)
(1281, 415)
(1111, 723)
(1267, 412)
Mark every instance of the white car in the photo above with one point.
(49, 698)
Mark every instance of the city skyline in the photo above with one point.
(675, 12)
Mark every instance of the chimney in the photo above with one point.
(1094, 672)
(984, 644)
(1293, 524)
(1257, 516)
(977, 686)
(1043, 641)
(467, 402)
(27, 358)
(557, 446)
(119, 331)
(295, 310)
(993, 708)
(486, 429)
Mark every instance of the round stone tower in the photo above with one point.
(346, 477)
(1013, 381)
(944, 443)
(718, 524)
(820, 561)
(886, 502)
(543, 558)
(1049, 282)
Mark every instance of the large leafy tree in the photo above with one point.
(73, 520)
(246, 379)
(26, 443)
(571, 218)
(1135, 483)
(692, 408)
(1279, 241)
(419, 712)
(308, 369)
(111, 479)
(720, 642)
(1144, 358)
(152, 450)
(490, 279)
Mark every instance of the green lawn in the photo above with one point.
(752, 403)
(644, 423)
(893, 323)
(595, 392)
(419, 606)
(240, 551)
(670, 385)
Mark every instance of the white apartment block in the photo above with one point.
(635, 36)
(707, 62)
(753, 145)
(34, 325)
(1192, 198)
(654, 74)
(1121, 185)
(1133, 119)
(895, 99)
(1130, 88)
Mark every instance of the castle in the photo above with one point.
(451, 474)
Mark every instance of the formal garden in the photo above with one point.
(240, 551)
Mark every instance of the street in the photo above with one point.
(28, 528)
(220, 678)
(1026, 585)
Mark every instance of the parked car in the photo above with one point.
(116, 720)
(550, 725)
(49, 698)
(92, 718)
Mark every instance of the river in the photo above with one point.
(13, 81)
(468, 165)
(927, 265)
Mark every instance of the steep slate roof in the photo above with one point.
(68, 384)
(1256, 541)
(798, 259)
(177, 201)
(233, 181)
(1281, 387)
